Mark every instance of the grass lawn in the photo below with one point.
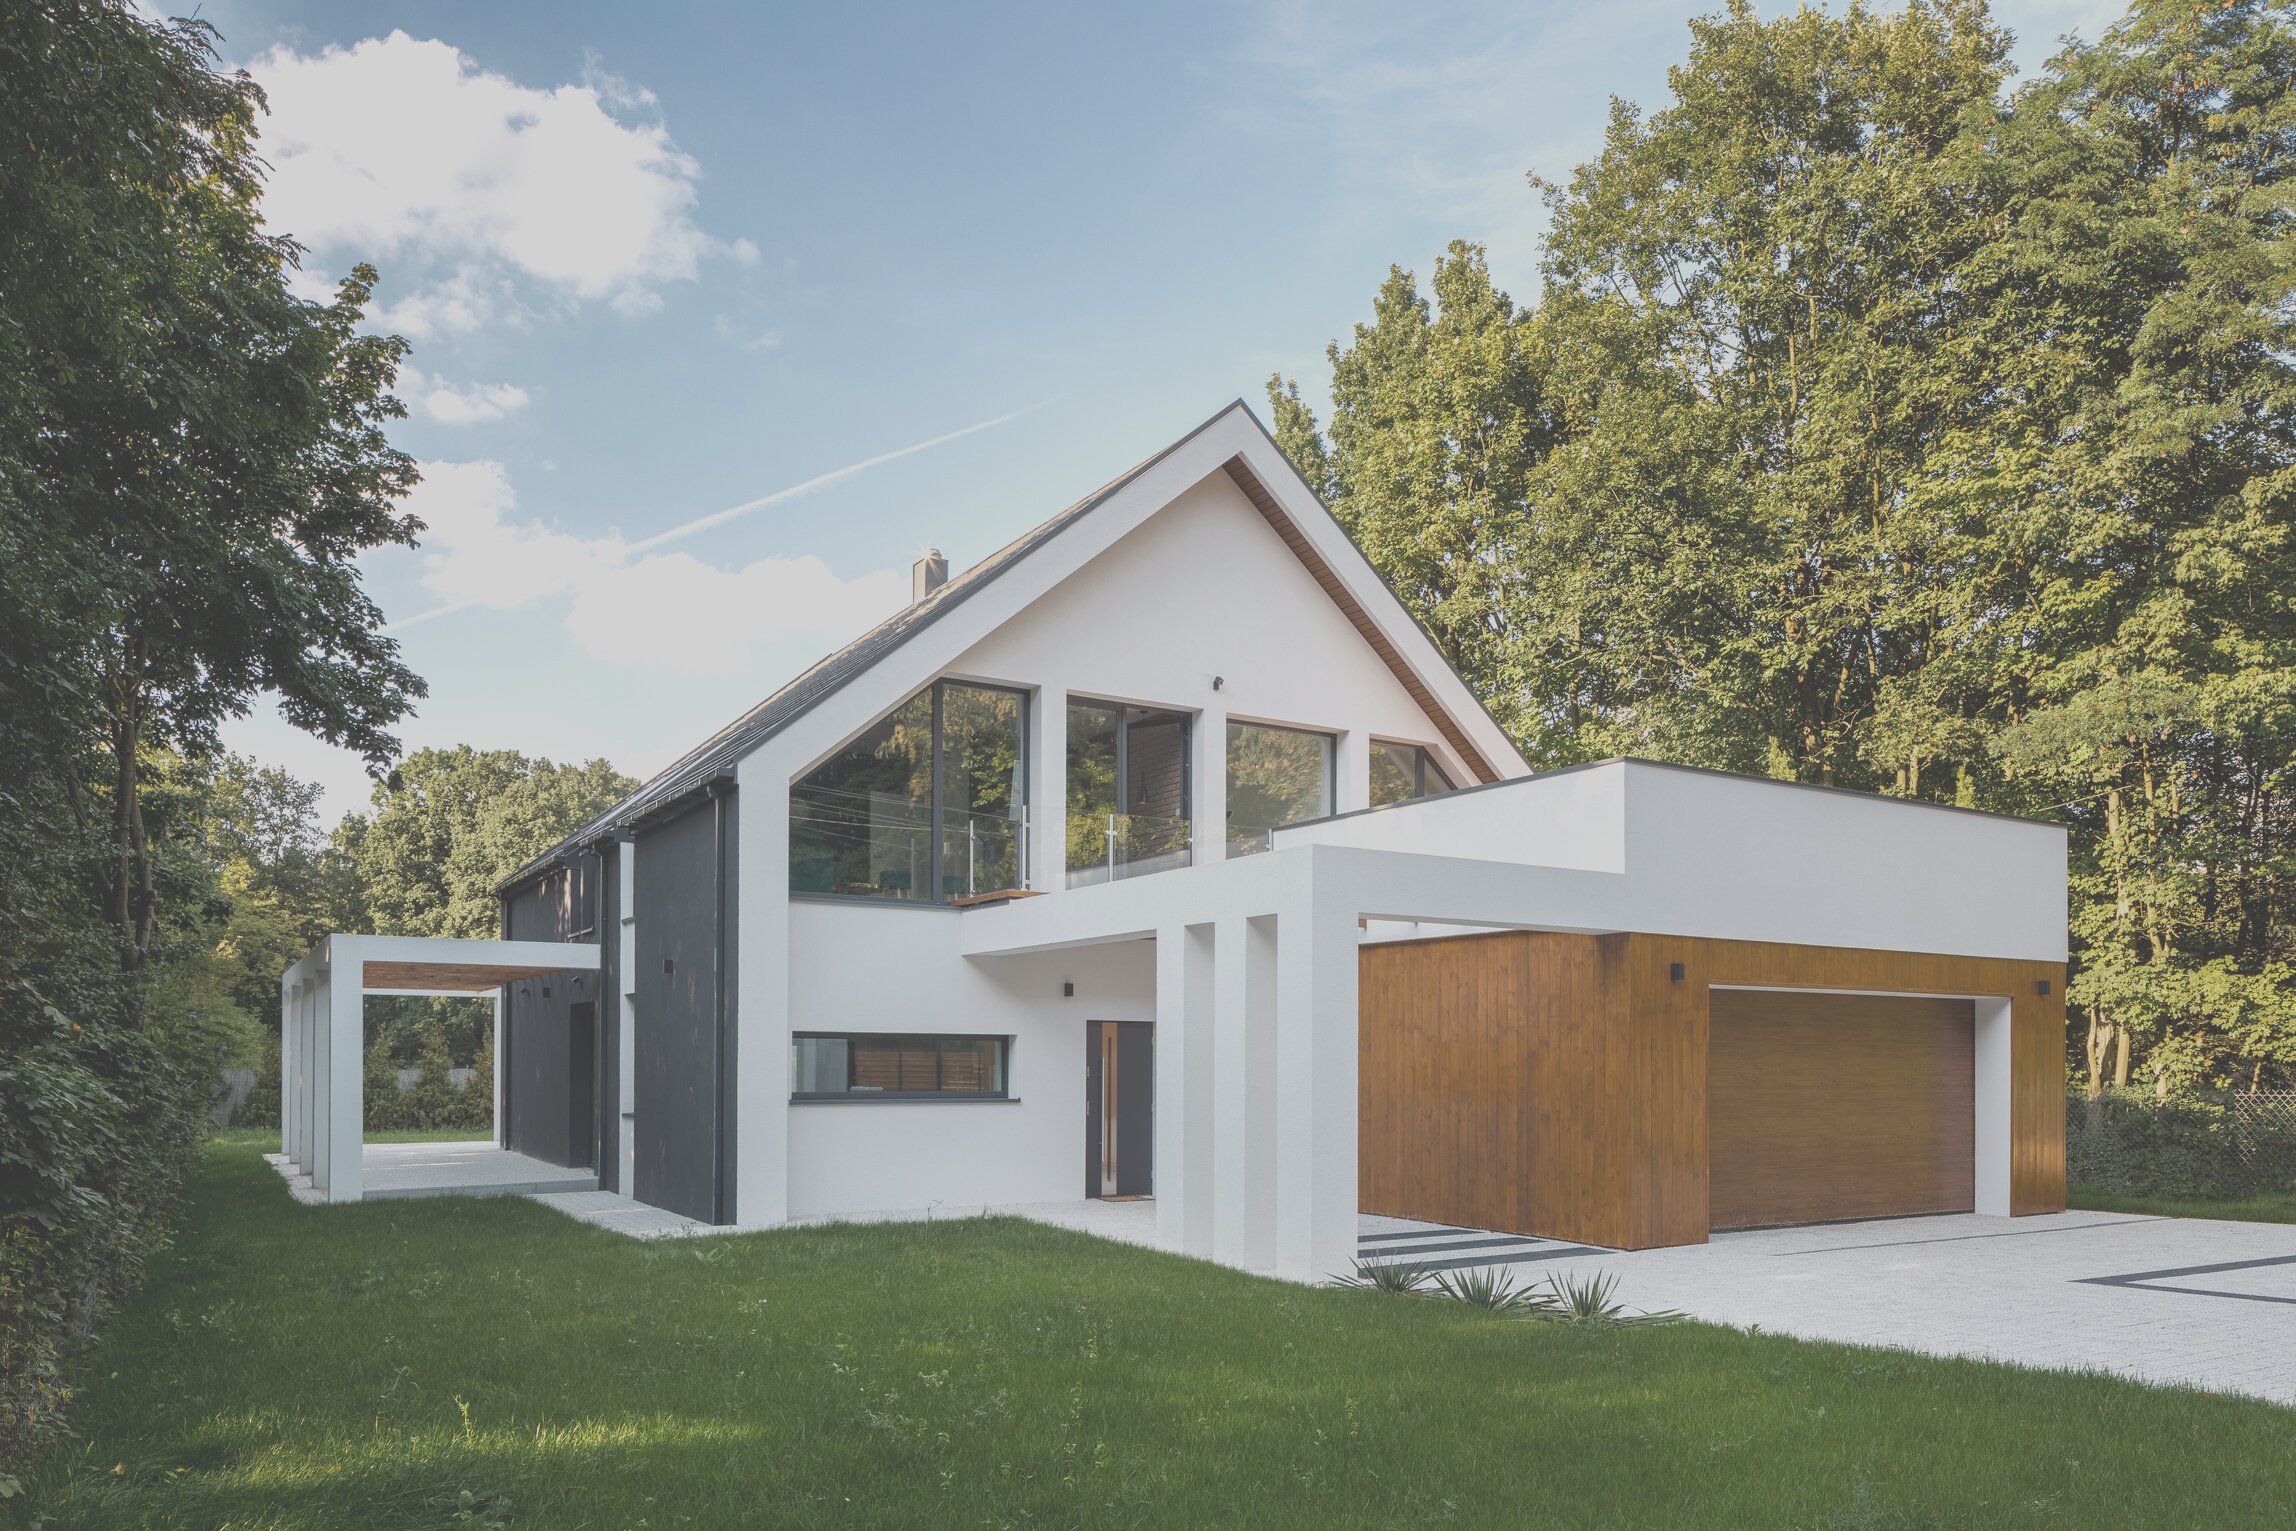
(365, 1366)
(2265, 1207)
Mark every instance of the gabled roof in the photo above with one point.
(717, 755)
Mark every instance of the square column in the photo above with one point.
(1184, 1071)
(1315, 1093)
(288, 1047)
(1243, 1099)
(1208, 786)
(1047, 868)
(341, 1082)
(760, 1086)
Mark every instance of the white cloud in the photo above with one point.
(468, 404)
(406, 150)
(661, 610)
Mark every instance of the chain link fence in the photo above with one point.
(2214, 1143)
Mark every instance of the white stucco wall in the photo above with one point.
(863, 968)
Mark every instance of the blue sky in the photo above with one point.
(659, 262)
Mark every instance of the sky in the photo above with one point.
(723, 314)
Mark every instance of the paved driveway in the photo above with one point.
(2207, 1304)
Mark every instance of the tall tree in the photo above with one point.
(191, 457)
(1895, 432)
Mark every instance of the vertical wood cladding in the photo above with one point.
(1558, 1084)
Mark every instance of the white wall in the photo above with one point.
(863, 968)
(1574, 818)
(1206, 588)
(1705, 854)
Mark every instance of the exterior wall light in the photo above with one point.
(1674, 971)
(2042, 988)
(1068, 991)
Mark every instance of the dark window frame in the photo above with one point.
(939, 825)
(850, 1096)
(1423, 763)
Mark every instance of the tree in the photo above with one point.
(193, 456)
(450, 825)
(1878, 429)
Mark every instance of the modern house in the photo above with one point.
(1161, 854)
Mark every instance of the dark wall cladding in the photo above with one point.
(540, 1116)
(683, 1065)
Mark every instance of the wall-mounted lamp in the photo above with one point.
(1068, 991)
(1674, 971)
(2042, 988)
(666, 964)
(546, 991)
(1218, 681)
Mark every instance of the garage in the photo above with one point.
(1822, 1107)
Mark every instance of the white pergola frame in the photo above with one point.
(322, 1105)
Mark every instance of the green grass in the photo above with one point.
(364, 1366)
(2264, 1207)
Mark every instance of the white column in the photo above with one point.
(321, 1162)
(1208, 784)
(501, 1127)
(346, 1119)
(1992, 1103)
(1243, 1094)
(626, 1009)
(761, 1082)
(1351, 771)
(1184, 1005)
(1315, 1091)
(1047, 870)
(287, 1064)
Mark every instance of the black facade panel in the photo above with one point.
(540, 1116)
(610, 1104)
(679, 1074)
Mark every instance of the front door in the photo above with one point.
(1120, 1109)
(581, 1082)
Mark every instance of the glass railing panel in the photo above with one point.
(870, 844)
(1107, 847)
(1249, 839)
(982, 852)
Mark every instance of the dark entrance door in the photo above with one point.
(581, 1082)
(1120, 1109)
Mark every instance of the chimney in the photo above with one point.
(927, 575)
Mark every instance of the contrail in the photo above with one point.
(735, 512)
(822, 481)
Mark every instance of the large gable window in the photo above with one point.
(929, 804)
(1127, 791)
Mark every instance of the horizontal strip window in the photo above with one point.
(861, 1066)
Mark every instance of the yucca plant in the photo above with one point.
(1387, 1276)
(1493, 1289)
(1592, 1299)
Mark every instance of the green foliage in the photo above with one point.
(449, 825)
(2202, 1146)
(1875, 427)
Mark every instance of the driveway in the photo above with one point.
(2175, 1300)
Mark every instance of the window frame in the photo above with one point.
(850, 1097)
(1424, 763)
(938, 833)
(1330, 738)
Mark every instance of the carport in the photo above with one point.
(322, 1110)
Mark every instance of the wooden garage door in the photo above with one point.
(1829, 1106)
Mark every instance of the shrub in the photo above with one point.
(2216, 1144)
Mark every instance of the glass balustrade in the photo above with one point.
(1106, 847)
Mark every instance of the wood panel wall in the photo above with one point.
(1556, 1084)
